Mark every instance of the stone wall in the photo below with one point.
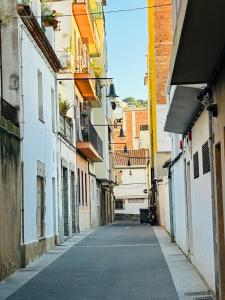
(127, 217)
(10, 198)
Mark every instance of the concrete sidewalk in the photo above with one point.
(188, 283)
(18, 279)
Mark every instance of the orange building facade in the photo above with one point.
(135, 125)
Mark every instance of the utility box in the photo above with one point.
(144, 215)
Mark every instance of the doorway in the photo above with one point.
(65, 201)
(189, 210)
(220, 218)
(73, 201)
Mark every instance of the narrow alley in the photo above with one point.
(119, 261)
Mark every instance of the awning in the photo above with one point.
(183, 109)
(199, 41)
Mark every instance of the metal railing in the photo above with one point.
(9, 112)
(90, 135)
(66, 128)
(92, 20)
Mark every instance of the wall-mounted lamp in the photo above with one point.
(125, 150)
(112, 92)
(121, 135)
(129, 162)
(213, 109)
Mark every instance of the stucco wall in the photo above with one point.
(132, 187)
(10, 203)
(84, 210)
(39, 141)
(200, 208)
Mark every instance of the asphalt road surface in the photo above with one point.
(120, 261)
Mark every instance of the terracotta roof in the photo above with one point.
(136, 157)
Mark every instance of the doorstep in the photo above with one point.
(12, 283)
(187, 281)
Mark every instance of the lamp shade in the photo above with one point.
(125, 149)
(121, 135)
(112, 91)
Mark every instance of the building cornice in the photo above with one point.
(38, 35)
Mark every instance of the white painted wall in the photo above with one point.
(201, 207)
(163, 201)
(163, 138)
(39, 141)
(201, 210)
(132, 187)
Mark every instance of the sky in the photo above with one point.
(127, 46)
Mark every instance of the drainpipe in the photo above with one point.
(171, 205)
(209, 94)
(1, 72)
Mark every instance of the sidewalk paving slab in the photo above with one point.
(22, 276)
(188, 283)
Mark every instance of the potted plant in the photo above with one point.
(84, 113)
(49, 16)
(97, 69)
(64, 106)
(24, 2)
(65, 58)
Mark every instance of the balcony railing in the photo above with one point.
(90, 135)
(9, 112)
(95, 31)
(66, 129)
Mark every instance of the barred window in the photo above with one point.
(196, 165)
(205, 158)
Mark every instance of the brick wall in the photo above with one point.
(163, 45)
(140, 117)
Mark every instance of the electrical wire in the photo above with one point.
(105, 12)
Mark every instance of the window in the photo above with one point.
(196, 165)
(40, 207)
(82, 186)
(53, 109)
(40, 97)
(86, 200)
(78, 184)
(143, 127)
(205, 158)
(119, 204)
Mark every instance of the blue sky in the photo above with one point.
(127, 46)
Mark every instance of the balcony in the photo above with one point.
(88, 86)
(9, 112)
(91, 146)
(66, 129)
(86, 24)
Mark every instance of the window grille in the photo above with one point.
(205, 158)
(196, 165)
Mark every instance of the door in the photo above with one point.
(73, 201)
(220, 220)
(40, 215)
(65, 202)
(189, 210)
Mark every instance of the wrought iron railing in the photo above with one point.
(90, 135)
(9, 112)
(66, 128)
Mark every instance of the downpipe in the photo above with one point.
(207, 94)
